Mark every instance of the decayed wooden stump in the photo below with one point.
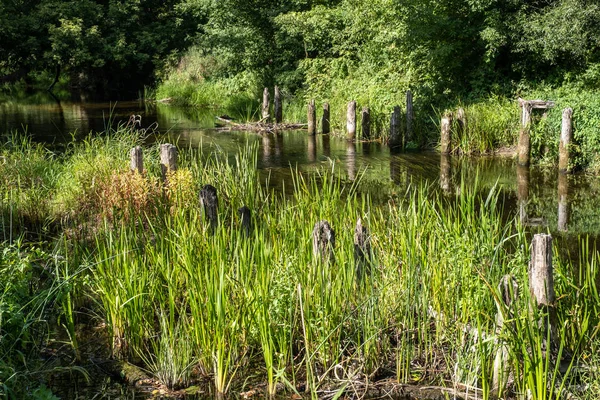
(325, 127)
(362, 250)
(265, 105)
(395, 134)
(312, 118)
(445, 137)
(366, 123)
(137, 159)
(168, 159)
(351, 121)
(323, 241)
(566, 132)
(210, 203)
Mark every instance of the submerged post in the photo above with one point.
(323, 241)
(362, 250)
(566, 132)
(409, 115)
(351, 121)
(395, 136)
(325, 128)
(210, 203)
(168, 159)
(312, 118)
(265, 104)
(366, 123)
(541, 281)
(137, 159)
(446, 139)
(278, 106)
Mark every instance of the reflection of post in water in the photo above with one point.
(278, 144)
(522, 191)
(563, 202)
(366, 149)
(397, 170)
(267, 147)
(351, 159)
(326, 146)
(445, 174)
(312, 148)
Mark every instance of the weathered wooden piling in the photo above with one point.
(168, 159)
(446, 129)
(395, 134)
(210, 203)
(566, 132)
(245, 219)
(362, 250)
(325, 127)
(445, 174)
(522, 191)
(366, 123)
(523, 147)
(323, 241)
(312, 118)
(351, 121)
(541, 282)
(461, 120)
(137, 159)
(265, 105)
(409, 115)
(278, 106)
(508, 290)
(563, 202)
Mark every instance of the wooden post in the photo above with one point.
(446, 138)
(210, 203)
(245, 218)
(325, 127)
(366, 123)
(168, 159)
(312, 148)
(323, 241)
(137, 159)
(461, 118)
(265, 105)
(351, 121)
(566, 132)
(278, 106)
(541, 281)
(508, 290)
(351, 159)
(522, 191)
(362, 250)
(409, 115)
(523, 147)
(563, 202)
(395, 136)
(312, 118)
(445, 174)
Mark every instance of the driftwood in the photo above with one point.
(259, 126)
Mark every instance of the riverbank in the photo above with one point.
(242, 299)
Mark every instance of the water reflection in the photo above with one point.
(563, 202)
(446, 174)
(351, 159)
(312, 148)
(522, 192)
